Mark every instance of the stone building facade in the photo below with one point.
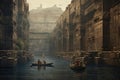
(77, 26)
(96, 18)
(43, 20)
(23, 24)
(11, 13)
(8, 25)
(115, 26)
(14, 23)
(92, 26)
(68, 29)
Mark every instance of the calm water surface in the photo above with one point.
(60, 71)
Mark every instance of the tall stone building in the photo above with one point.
(8, 13)
(65, 28)
(10, 30)
(14, 22)
(115, 26)
(93, 29)
(23, 24)
(23, 31)
(97, 21)
(77, 26)
(44, 19)
(69, 28)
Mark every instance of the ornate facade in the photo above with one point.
(14, 25)
(8, 25)
(90, 27)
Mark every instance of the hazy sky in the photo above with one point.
(33, 4)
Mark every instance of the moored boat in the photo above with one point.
(78, 65)
(77, 68)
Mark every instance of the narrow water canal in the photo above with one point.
(60, 71)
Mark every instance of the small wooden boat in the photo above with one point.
(78, 65)
(78, 68)
(47, 64)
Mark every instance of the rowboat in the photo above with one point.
(78, 68)
(47, 64)
(78, 65)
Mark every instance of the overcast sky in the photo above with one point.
(33, 4)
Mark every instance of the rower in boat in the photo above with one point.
(44, 63)
(39, 62)
(78, 65)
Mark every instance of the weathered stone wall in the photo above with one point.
(44, 19)
(14, 29)
(23, 24)
(93, 27)
(115, 27)
(8, 12)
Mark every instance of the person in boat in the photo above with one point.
(77, 63)
(44, 62)
(39, 62)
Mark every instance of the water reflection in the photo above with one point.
(41, 67)
(60, 71)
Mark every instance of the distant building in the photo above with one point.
(44, 19)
